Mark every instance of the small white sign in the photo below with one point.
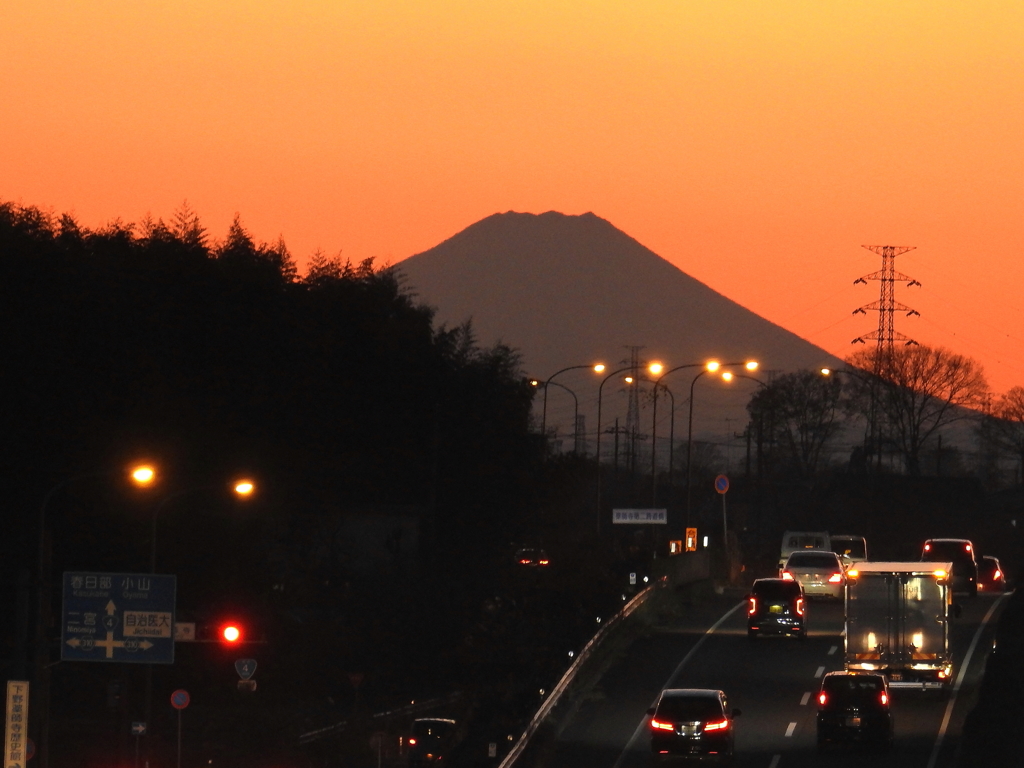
(184, 631)
(16, 730)
(640, 516)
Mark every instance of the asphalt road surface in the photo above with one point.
(774, 681)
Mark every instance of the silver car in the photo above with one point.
(820, 572)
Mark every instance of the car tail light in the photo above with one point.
(787, 576)
(967, 547)
(822, 698)
(412, 741)
(799, 606)
(927, 547)
(717, 725)
(884, 698)
(544, 562)
(998, 574)
(753, 606)
(660, 725)
(835, 578)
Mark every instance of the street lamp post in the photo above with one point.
(598, 368)
(597, 450)
(654, 438)
(142, 475)
(872, 441)
(576, 409)
(711, 367)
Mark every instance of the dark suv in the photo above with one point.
(431, 740)
(776, 606)
(854, 708)
(959, 552)
(692, 722)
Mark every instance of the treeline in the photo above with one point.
(334, 391)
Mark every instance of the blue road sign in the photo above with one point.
(245, 668)
(119, 617)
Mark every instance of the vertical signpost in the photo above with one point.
(722, 487)
(179, 700)
(16, 744)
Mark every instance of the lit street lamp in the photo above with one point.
(711, 367)
(576, 409)
(141, 475)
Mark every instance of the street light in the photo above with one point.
(141, 475)
(872, 440)
(600, 391)
(598, 368)
(576, 408)
(711, 367)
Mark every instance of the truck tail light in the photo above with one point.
(884, 698)
(753, 606)
(822, 698)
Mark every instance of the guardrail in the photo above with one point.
(570, 674)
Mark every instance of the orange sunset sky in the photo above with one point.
(756, 145)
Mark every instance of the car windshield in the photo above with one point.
(843, 688)
(943, 551)
(776, 590)
(812, 560)
(689, 708)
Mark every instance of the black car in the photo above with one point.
(692, 722)
(853, 708)
(776, 606)
(431, 740)
(991, 577)
(959, 552)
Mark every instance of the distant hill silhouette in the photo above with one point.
(567, 290)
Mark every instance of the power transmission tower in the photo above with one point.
(886, 306)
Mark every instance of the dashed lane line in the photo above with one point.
(819, 673)
(789, 731)
(832, 650)
(674, 675)
(805, 698)
(775, 761)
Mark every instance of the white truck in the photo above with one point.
(897, 622)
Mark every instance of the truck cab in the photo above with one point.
(794, 541)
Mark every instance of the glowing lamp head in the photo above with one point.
(628, 379)
(244, 488)
(713, 365)
(534, 383)
(143, 475)
(727, 376)
(751, 365)
(599, 368)
(655, 368)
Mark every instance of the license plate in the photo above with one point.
(775, 609)
(896, 676)
(853, 722)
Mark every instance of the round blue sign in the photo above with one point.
(721, 483)
(180, 699)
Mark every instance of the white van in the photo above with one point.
(794, 541)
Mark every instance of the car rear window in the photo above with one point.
(942, 551)
(689, 708)
(852, 687)
(853, 547)
(811, 560)
(776, 590)
(806, 542)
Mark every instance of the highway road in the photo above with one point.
(774, 681)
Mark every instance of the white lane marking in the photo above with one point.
(775, 761)
(959, 679)
(833, 649)
(819, 673)
(805, 698)
(789, 731)
(643, 721)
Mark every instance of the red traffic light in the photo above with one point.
(231, 633)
